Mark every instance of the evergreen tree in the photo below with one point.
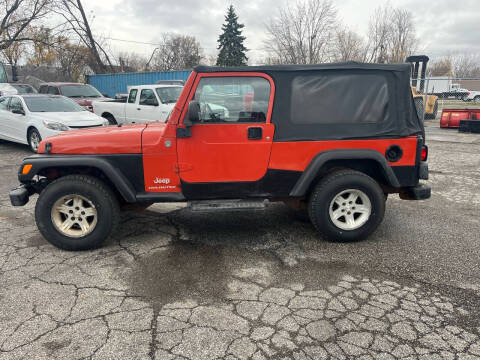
(232, 51)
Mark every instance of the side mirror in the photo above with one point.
(193, 114)
(18, 111)
(105, 95)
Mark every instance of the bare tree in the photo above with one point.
(466, 65)
(402, 38)
(177, 52)
(379, 35)
(16, 17)
(77, 22)
(391, 35)
(130, 61)
(441, 67)
(302, 33)
(348, 46)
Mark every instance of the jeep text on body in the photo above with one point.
(335, 139)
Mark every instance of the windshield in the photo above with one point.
(168, 95)
(51, 104)
(79, 90)
(24, 89)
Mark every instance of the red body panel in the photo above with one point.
(102, 140)
(451, 117)
(160, 158)
(222, 153)
(296, 155)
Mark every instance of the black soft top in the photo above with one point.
(403, 67)
(338, 100)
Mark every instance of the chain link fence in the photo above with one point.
(458, 99)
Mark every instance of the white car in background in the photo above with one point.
(27, 119)
(16, 88)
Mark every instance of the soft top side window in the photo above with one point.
(233, 99)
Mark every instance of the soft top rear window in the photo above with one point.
(333, 98)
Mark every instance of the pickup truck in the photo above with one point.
(473, 96)
(145, 103)
(335, 139)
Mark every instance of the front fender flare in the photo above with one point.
(312, 170)
(40, 162)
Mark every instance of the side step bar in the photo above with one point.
(229, 205)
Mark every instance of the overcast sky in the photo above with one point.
(443, 26)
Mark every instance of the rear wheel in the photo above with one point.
(347, 205)
(77, 212)
(34, 139)
(476, 99)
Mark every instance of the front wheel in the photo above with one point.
(34, 139)
(77, 212)
(476, 100)
(346, 206)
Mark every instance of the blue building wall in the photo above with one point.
(112, 84)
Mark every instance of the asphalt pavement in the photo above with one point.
(175, 284)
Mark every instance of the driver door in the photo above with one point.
(232, 141)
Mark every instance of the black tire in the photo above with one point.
(91, 188)
(32, 135)
(332, 185)
(110, 118)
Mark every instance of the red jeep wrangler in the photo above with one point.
(334, 138)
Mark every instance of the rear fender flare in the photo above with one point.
(315, 166)
(117, 178)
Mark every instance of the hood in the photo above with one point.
(86, 101)
(125, 139)
(75, 119)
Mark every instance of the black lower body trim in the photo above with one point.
(419, 192)
(275, 183)
(406, 175)
(160, 197)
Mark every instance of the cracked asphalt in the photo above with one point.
(173, 284)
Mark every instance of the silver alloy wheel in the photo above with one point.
(74, 216)
(350, 209)
(476, 100)
(34, 140)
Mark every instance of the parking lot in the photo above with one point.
(173, 284)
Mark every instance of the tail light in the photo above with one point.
(424, 153)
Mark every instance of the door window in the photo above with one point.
(132, 96)
(43, 89)
(147, 97)
(4, 103)
(53, 90)
(233, 99)
(16, 104)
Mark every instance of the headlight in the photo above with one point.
(55, 126)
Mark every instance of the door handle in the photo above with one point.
(139, 109)
(255, 133)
